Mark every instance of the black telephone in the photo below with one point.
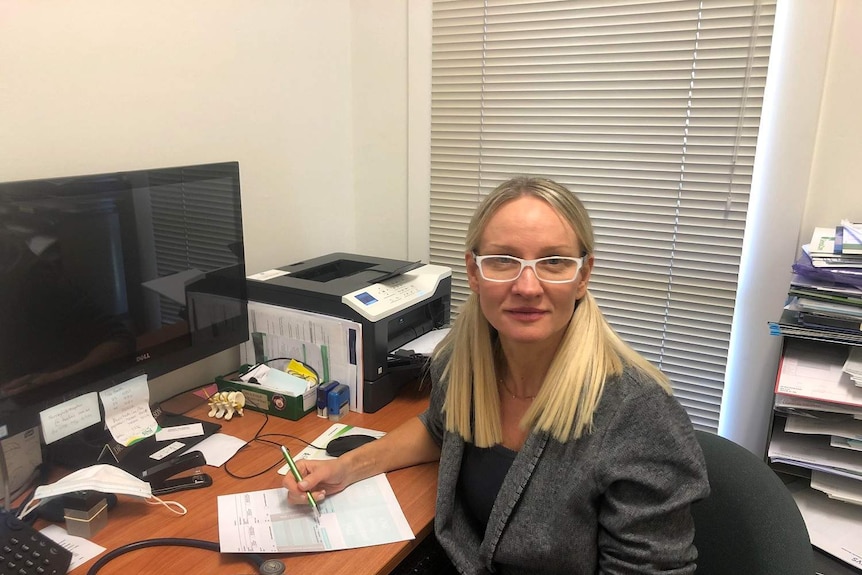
(25, 551)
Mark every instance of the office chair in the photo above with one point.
(749, 523)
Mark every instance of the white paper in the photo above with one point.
(277, 380)
(816, 372)
(837, 487)
(70, 416)
(425, 344)
(834, 526)
(366, 513)
(335, 430)
(179, 432)
(218, 448)
(127, 411)
(845, 426)
(853, 365)
(822, 242)
(23, 455)
(268, 275)
(813, 452)
(330, 345)
(167, 450)
(82, 549)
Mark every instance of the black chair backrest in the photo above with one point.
(750, 523)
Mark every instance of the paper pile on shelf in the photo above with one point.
(815, 371)
(853, 365)
(825, 296)
(815, 452)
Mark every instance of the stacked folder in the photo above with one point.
(825, 295)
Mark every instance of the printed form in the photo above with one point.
(366, 513)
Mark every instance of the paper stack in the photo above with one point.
(825, 295)
(853, 365)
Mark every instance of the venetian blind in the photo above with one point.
(649, 112)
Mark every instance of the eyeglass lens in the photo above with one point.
(549, 269)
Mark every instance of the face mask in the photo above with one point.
(102, 478)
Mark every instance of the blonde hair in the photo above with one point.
(589, 354)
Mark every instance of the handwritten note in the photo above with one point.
(127, 411)
(70, 416)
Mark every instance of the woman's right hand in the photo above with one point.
(321, 478)
(407, 445)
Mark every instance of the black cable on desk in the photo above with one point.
(264, 566)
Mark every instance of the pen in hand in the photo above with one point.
(295, 472)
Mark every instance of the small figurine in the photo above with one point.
(235, 403)
(224, 404)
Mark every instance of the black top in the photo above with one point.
(482, 473)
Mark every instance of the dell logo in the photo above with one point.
(143, 357)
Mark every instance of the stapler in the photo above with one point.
(161, 476)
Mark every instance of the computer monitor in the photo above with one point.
(105, 277)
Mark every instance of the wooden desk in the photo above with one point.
(135, 520)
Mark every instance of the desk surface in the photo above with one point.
(135, 520)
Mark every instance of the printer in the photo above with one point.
(395, 301)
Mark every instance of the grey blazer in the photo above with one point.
(616, 501)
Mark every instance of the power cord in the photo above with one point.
(261, 437)
(264, 566)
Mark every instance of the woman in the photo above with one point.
(561, 449)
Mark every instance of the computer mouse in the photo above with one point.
(341, 445)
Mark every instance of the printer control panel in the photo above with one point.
(376, 301)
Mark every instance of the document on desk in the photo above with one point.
(366, 513)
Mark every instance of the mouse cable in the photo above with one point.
(264, 566)
(261, 439)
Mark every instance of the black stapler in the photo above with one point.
(161, 476)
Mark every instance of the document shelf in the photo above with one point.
(832, 402)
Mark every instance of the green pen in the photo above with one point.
(295, 472)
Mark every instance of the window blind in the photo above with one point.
(648, 111)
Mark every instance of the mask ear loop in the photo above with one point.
(31, 505)
(169, 505)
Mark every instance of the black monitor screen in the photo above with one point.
(105, 277)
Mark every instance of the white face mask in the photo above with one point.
(101, 478)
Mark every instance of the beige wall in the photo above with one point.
(835, 188)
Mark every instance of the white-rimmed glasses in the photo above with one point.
(552, 269)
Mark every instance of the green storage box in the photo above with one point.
(272, 402)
